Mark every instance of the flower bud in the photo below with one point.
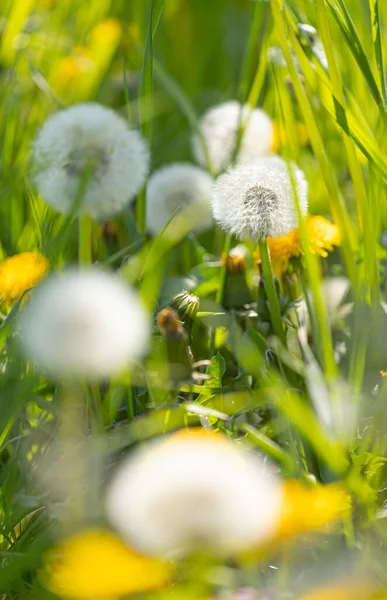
(176, 340)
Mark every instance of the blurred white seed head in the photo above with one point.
(220, 126)
(193, 492)
(183, 186)
(256, 200)
(84, 323)
(89, 146)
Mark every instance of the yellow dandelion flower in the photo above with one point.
(344, 591)
(19, 273)
(234, 264)
(97, 564)
(323, 235)
(70, 69)
(280, 136)
(311, 508)
(281, 249)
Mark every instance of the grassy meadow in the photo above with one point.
(198, 410)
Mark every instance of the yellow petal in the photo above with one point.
(97, 564)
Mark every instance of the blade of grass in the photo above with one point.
(145, 107)
(337, 205)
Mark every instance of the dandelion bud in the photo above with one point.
(194, 491)
(255, 201)
(220, 126)
(179, 186)
(176, 339)
(186, 305)
(236, 291)
(84, 323)
(86, 159)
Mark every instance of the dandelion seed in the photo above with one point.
(84, 323)
(194, 491)
(19, 273)
(97, 564)
(89, 145)
(220, 126)
(183, 186)
(255, 201)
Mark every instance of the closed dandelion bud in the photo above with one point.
(236, 291)
(186, 305)
(256, 200)
(176, 340)
(86, 159)
(220, 126)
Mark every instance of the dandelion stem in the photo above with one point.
(85, 240)
(223, 272)
(271, 292)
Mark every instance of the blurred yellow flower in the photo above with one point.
(323, 235)
(281, 249)
(280, 137)
(311, 508)
(97, 564)
(19, 273)
(106, 32)
(79, 74)
(69, 69)
(349, 591)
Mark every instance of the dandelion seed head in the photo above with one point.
(220, 126)
(183, 186)
(84, 323)
(193, 492)
(256, 200)
(89, 145)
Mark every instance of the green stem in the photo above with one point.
(223, 272)
(271, 292)
(85, 240)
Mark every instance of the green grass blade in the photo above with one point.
(146, 97)
(377, 40)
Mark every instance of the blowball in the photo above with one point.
(255, 201)
(183, 186)
(86, 160)
(193, 491)
(220, 126)
(84, 324)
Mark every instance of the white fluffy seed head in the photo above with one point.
(180, 495)
(220, 126)
(84, 324)
(183, 186)
(256, 200)
(86, 158)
